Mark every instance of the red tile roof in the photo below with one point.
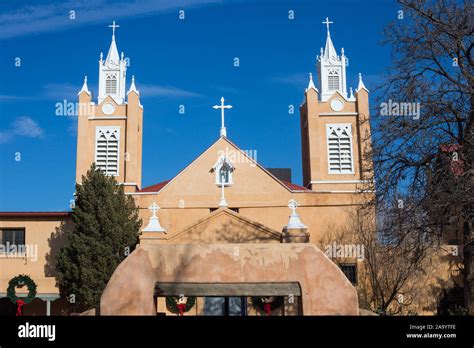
(294, 187)
(159, 186)
(155, 188)
(12, 214)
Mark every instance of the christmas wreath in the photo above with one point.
(21, 280)
(265, 304)
(177, 305)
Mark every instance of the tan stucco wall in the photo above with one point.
(47, 235)
(315, 115)
(325, 289)
(130, 145)
(258, 196)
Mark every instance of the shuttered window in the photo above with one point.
(333, 81)
(111, 84)
(340, 154)
(107, 149)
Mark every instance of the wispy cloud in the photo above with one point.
(72, 127)
(298, 79)
(5, 137)
(55, 91)
(27, 127)
(58, 91)
(8, 97)
(50, 91)
(23, 126)
(165, 91)
(56, 16)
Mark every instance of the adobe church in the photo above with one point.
(225, 230)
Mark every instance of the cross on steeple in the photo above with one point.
(113, 26)
(222, 107)
(154, 209)
(327, 22)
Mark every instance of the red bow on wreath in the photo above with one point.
(20, 304)
(181, 307)
(267, 307)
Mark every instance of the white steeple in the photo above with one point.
(361, 84)
(84, 87)
(331, 69)
(112, 73)
(133, 88)
(311, 83)
(351, 95)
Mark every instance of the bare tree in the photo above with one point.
(423, 122)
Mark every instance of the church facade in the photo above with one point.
(224, 229)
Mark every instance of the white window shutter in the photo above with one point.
(107, 149)
(340, 152)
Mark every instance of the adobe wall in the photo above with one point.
(325, 289)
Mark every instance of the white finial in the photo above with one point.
(113, 26)
(342, 51)
(295, 221)
(223, 132)
(322, 51)
(101, 56)
(121, 56)
(133, 88)
(154, 224)
(327, 22)
(361, 84)
(351, 94)
(311, 83)
(84, 87)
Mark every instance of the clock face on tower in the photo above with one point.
(337, 104)
(108, 108)
(332, 59)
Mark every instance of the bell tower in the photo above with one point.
(110, 130)
(331, 69)
(335, 129)
(112, 72)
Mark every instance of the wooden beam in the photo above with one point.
(227, 289)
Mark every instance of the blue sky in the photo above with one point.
(175, 62)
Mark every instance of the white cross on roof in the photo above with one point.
(222, 107)
(327, 22)
(113, 26)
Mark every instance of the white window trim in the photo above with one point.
(217, 168)
(112, 128)
(328, 132)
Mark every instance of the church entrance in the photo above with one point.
(225, 306)
(230, 299)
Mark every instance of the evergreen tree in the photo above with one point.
(106, 231)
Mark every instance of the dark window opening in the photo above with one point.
(214, 209)
(350, 272)
(13, 236)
